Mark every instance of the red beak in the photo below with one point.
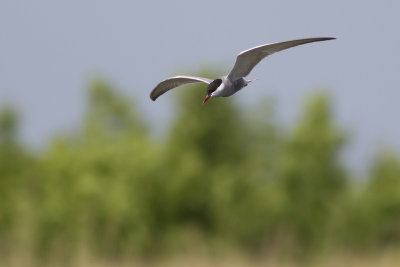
(205, 99)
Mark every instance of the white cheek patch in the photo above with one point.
(218, 91)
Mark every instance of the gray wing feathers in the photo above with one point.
(248, 59)
(173, 82)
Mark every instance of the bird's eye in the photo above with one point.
(213, 86)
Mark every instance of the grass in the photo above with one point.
(385, 259)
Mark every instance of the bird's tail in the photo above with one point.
(250, 80)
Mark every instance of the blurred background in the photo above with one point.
(300, 168)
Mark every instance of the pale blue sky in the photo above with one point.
(49, 49)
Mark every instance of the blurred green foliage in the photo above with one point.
(221, 177)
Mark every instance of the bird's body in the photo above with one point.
(228, 85)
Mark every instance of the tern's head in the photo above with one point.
(211, 88)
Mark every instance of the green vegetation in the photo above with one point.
(221, 178)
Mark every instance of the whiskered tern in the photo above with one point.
(228, 85)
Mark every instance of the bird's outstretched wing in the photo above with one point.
(248, 59)
(173, 82)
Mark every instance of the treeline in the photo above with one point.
(221, 177)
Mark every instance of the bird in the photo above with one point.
(228, 85)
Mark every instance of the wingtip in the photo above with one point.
(326, 38)
(152, 97)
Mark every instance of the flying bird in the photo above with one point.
(229, 84)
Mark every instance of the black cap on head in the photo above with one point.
(213, 86)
